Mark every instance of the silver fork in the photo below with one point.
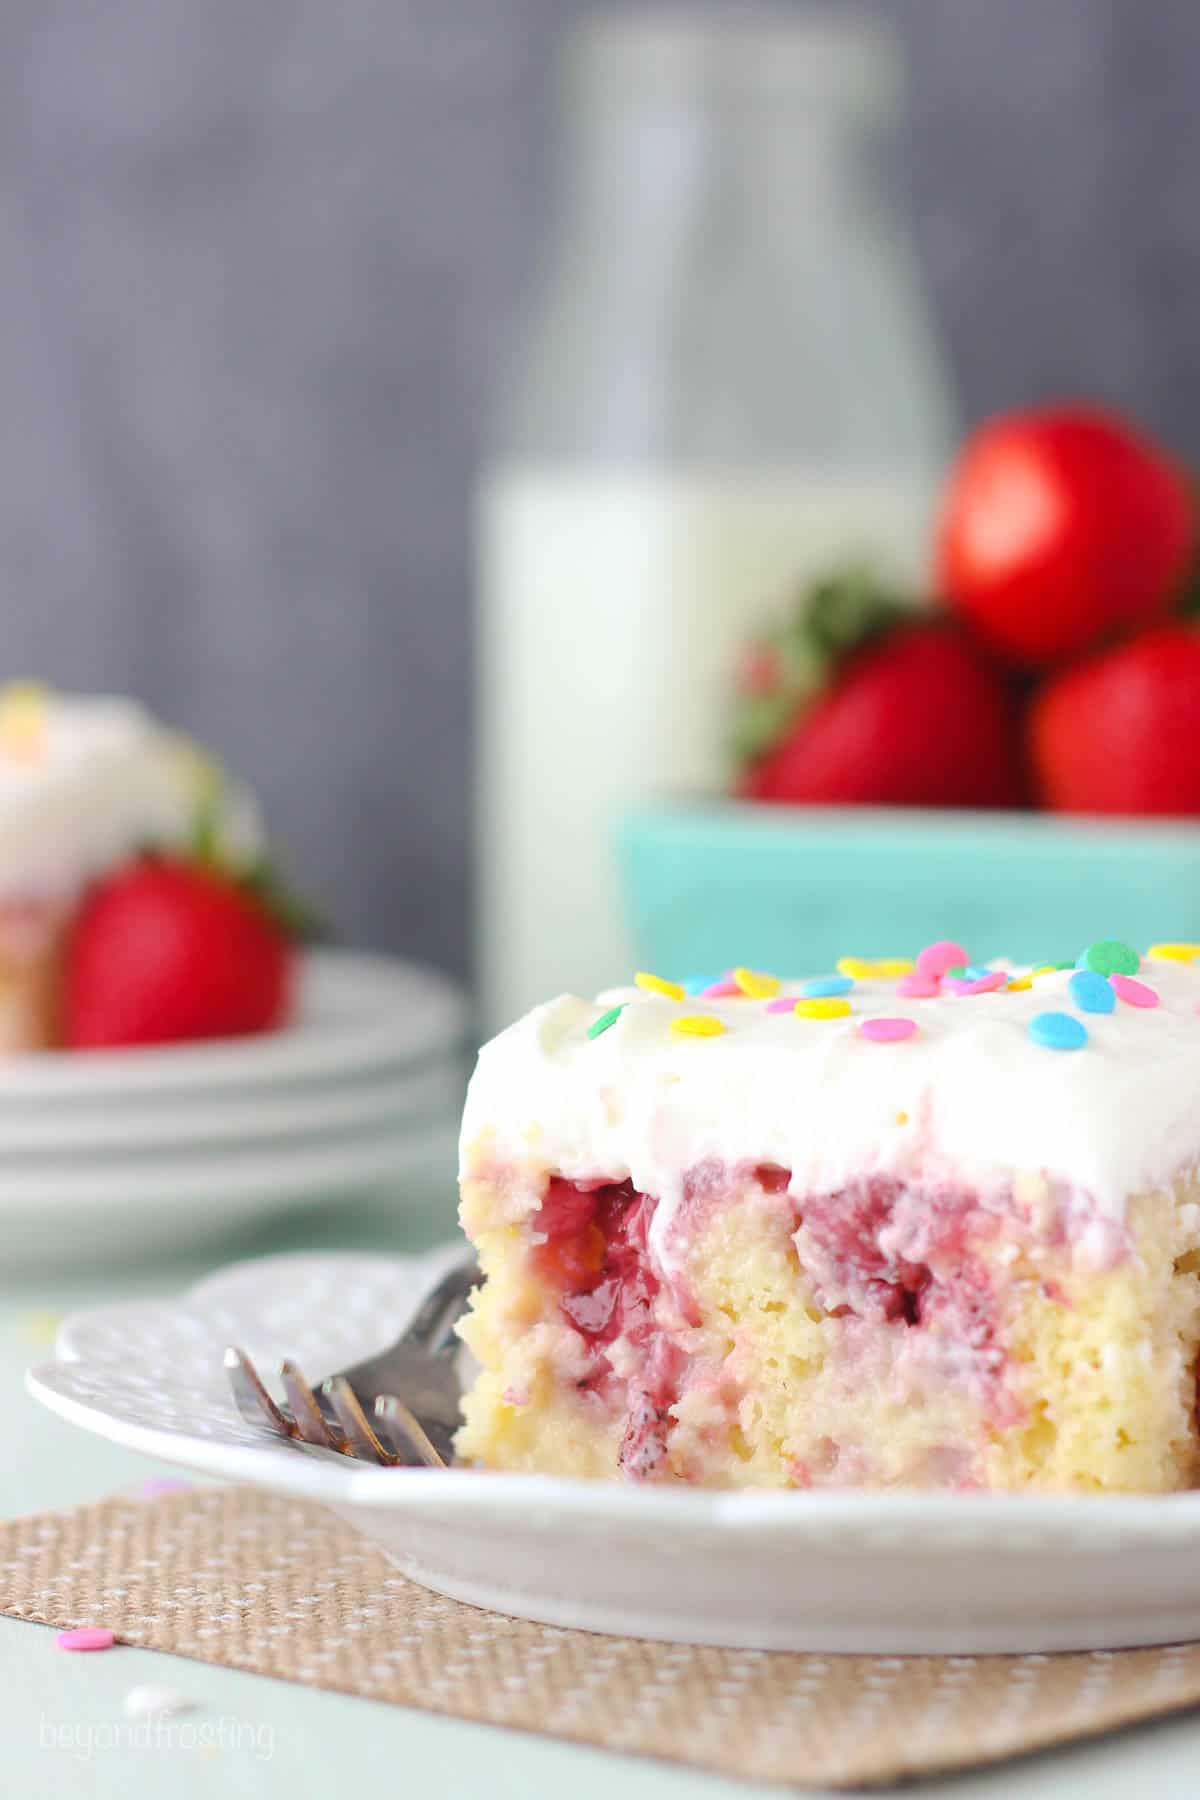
(411, 1390)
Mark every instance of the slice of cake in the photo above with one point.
(920, 1224)
(88, 787)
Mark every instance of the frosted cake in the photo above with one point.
(907, 1223)
(86, 785)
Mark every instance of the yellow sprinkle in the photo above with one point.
(887, 968)
(23, 721)
(1042, 969)
(654, 984)
(696, 1025)
(822, 1009)
(756, 986)
(1018, 983)
(1174, 952)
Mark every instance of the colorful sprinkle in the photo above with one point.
(654, 984)
(1092, 993)
(151, 1701)
(885, 968)
(86, 1637)
(822, 1007)
(935, 959)
(606, 1021)
(756, 986)
(157, 1487)
(979, 984)
(1109, 956)
(1058, 1031)
(1134, 993)
(824, 987)
(918, 987)
(696, 1025)
(887, 1031)
(1017, 984)
(696, 984)
(1184, 953)
(784, 1003)
(724, 989)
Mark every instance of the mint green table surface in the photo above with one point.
(284, 1740)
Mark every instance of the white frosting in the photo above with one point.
(970, 1096)
(95, 780)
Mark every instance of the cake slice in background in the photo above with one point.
(928, 1224)
(95, 791)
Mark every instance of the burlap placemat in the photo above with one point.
(250, 1581)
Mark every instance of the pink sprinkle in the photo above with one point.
(783, 1003)
(983, 984)
(887, 1031)
(86, 1637)
(918, 987)
(720, 990)
(155, 1486)
(935, 959)
(1134, 993)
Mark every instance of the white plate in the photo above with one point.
(37, 1138)
(354, 1011)
(137, 1210)
(882, 1572)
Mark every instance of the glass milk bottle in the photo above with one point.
(730, 381)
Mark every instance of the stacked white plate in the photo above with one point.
(170, 1144)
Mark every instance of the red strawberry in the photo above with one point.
(914, 718)
(165, 951)
(1120, 733)
(1058, 528)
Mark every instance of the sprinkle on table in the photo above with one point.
(654, 984)
(1092, 993)
(86, 1637)
(825, 987)
(783, 1003)
(726, 988)
(695, 985)
(1184, 953)
(827, 1007)
(1058, 1031)
(887, 1031)
(606, 1021)
(935, 959)
(1018, 984)
(755, 985)
(1134, 993)
(1109, 956)
(700, 1025)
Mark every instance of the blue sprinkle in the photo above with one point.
(824, 987)
(1058, 1031)
(973, 973)
(1091, 992)
(696, 984)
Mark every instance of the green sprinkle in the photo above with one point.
(1109, 956)
(599, 1026)
(1065, 965)
(958, 971)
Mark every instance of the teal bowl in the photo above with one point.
(712, 885)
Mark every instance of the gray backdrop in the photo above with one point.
(260, 258)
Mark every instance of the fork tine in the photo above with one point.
(393, 1412)
(353, 1420)
(310, 1423)
(251, 1397)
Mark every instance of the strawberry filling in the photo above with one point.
(875, 1251)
